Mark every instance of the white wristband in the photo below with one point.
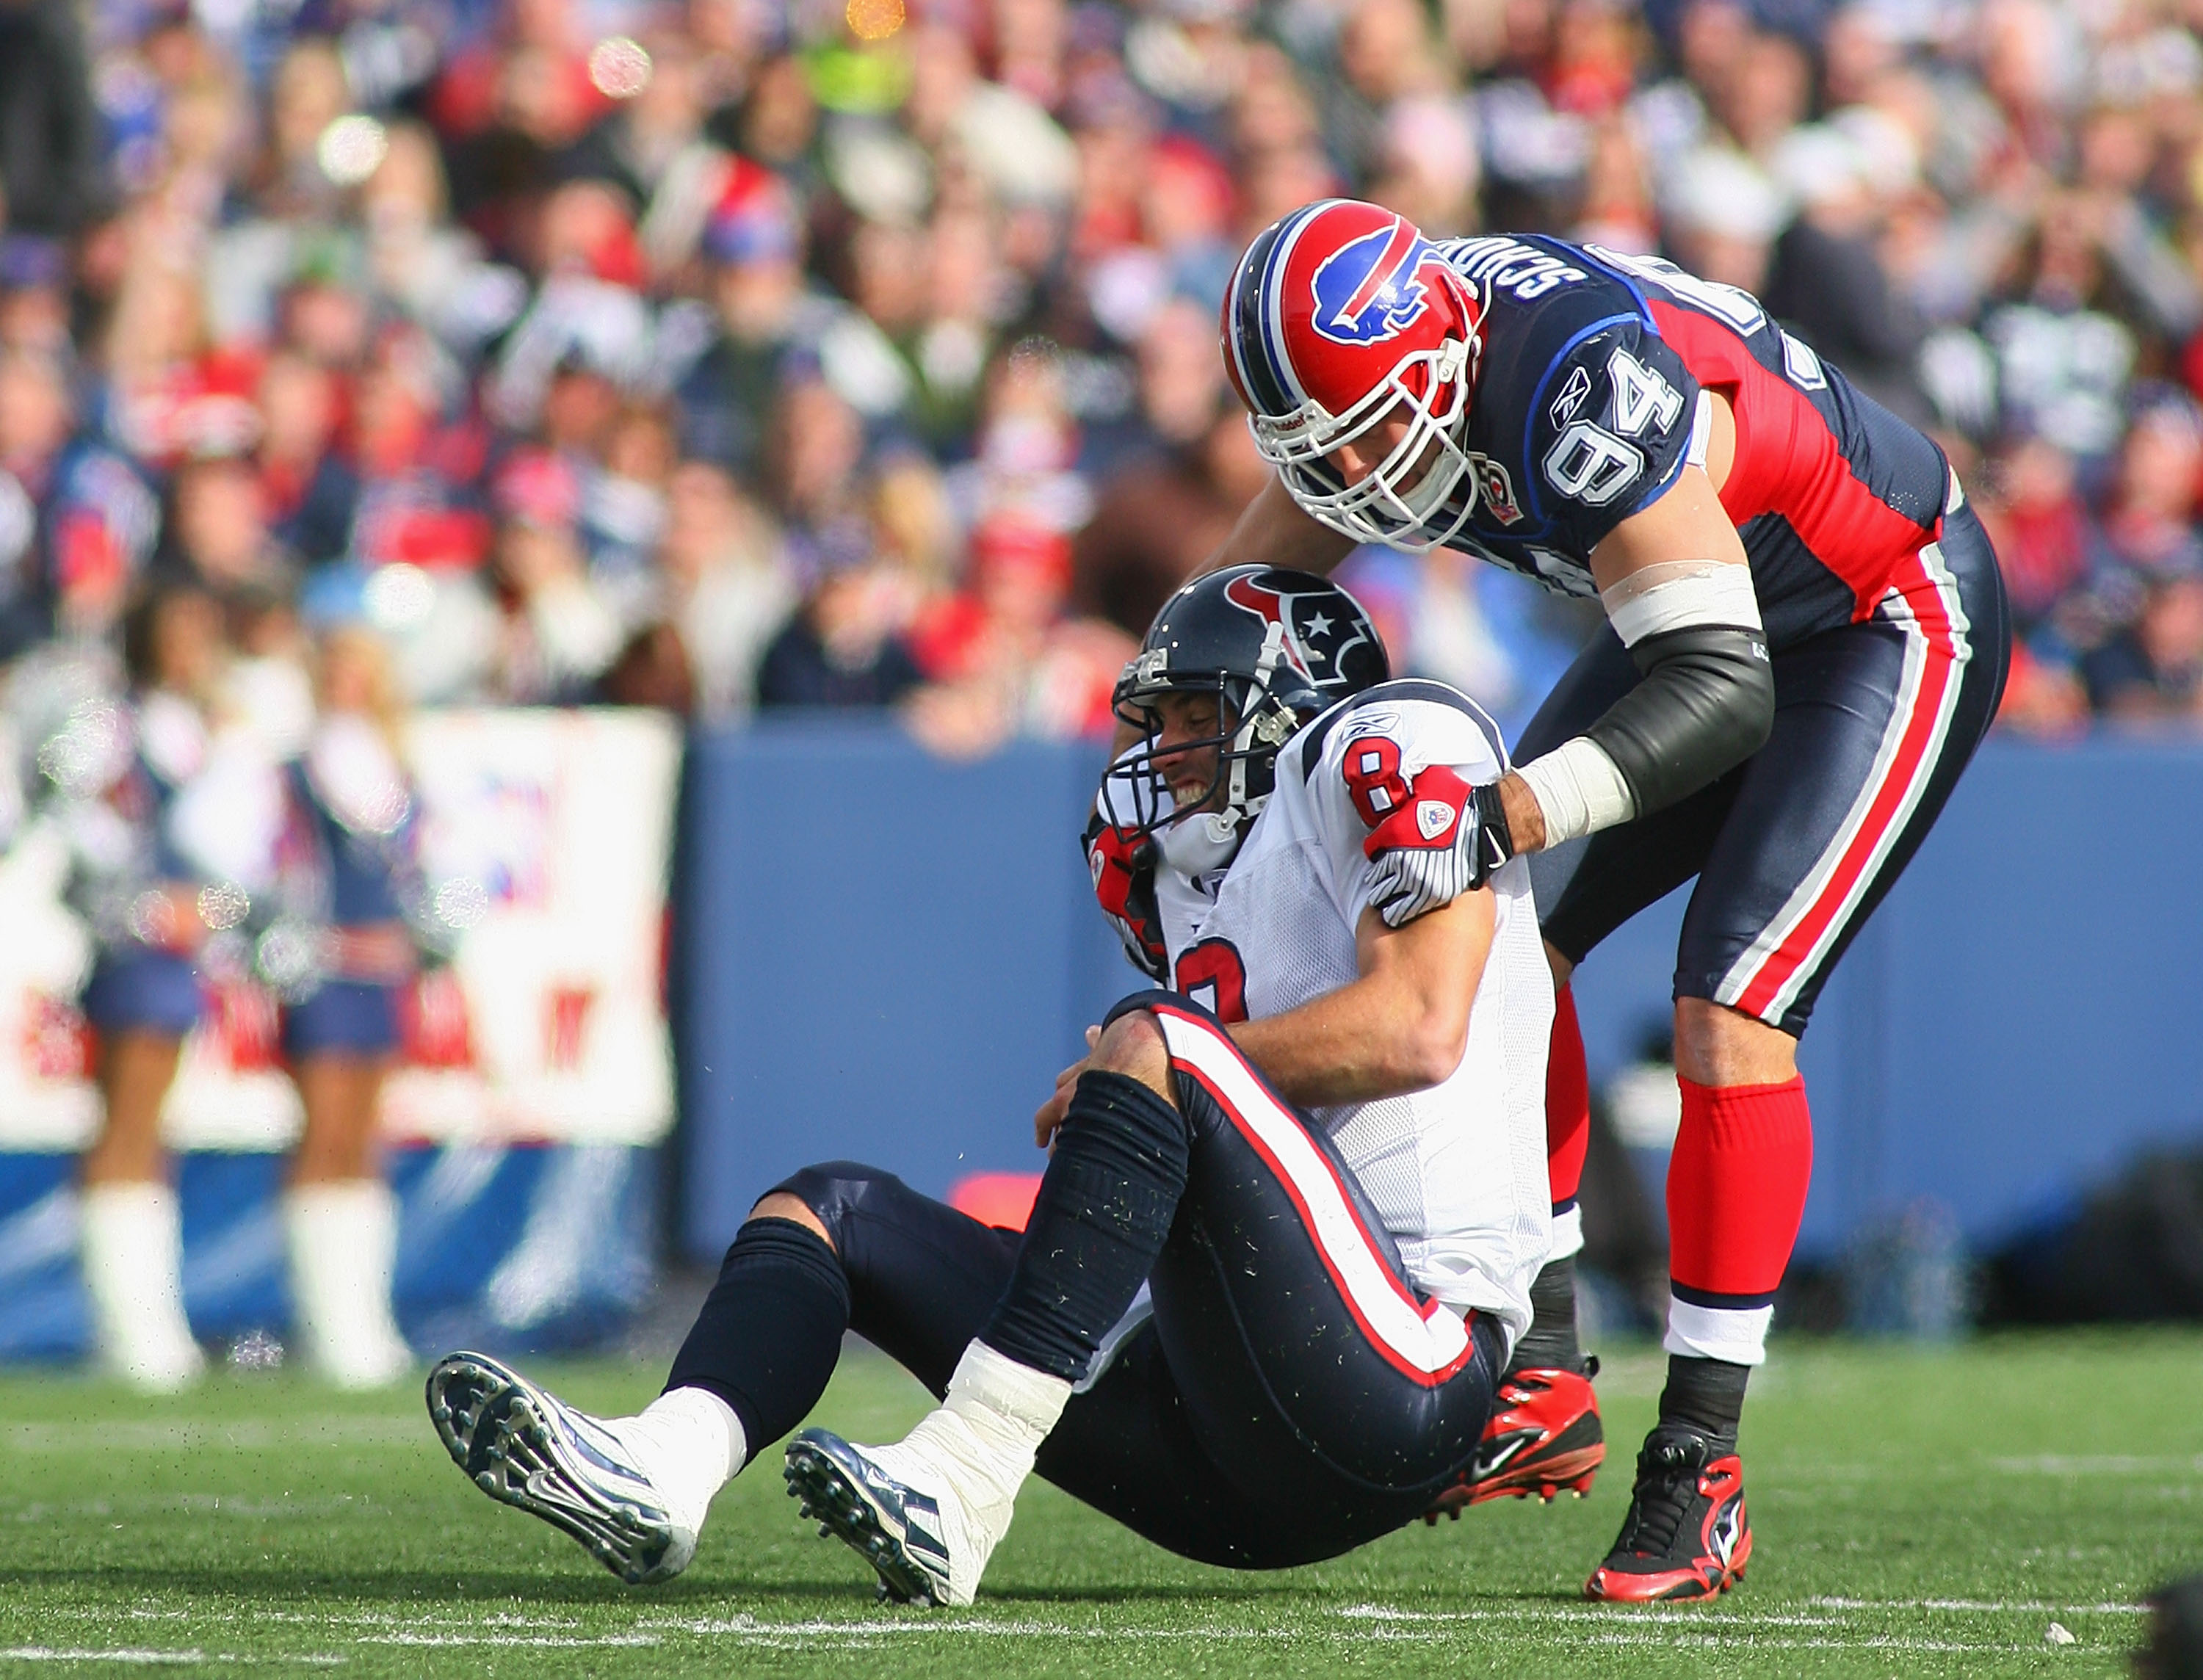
(1580, 789)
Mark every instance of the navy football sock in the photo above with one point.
(1103, 1210)
(1706, 1395)
(771, 1330)
(1550, 1340)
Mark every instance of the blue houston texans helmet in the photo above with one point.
(1276, 647)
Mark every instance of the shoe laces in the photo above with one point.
(1511, 1384)
(1667, 1484)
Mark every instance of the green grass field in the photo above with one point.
(1917, 1513)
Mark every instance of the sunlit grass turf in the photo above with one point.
(1917, 1513)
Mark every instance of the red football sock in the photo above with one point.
(1568, 1103)
(1736, 1190)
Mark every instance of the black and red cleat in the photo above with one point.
(1686, 1535)
(1544, 1438)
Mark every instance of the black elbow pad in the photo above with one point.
(1706, 705)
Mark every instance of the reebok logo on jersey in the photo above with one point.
(1367, 290)
(1571, 397)
(1434, 817)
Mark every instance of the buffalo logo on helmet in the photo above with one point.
(1366, 290)
(1313, 643)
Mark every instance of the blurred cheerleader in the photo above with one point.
(171, 813)
(350, 878)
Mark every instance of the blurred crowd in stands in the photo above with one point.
(723, 355)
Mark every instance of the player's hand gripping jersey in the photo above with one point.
(1588, 406)
(1364, 815)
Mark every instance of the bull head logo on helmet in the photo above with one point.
(1365, 292)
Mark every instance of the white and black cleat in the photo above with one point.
(525, 1447)
(854, 1497)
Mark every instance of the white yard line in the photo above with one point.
(535, 1641)
(2097, 1464)
(1994, 1606)
(50, 1653)
(316, 1618)
(1730, 1613)
(906, 1624)
(54, 1654)
(1682, 1616)
(1823, 1623)
(244, 1436)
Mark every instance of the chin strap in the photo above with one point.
(1207, 841)
(1250, 711)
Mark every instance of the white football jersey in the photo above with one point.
(1455, 1173)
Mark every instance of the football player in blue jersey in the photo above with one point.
(1806, 639)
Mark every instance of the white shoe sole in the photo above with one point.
(502, 1430)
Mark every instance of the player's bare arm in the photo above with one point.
(1273, 531)
(1401, 1027)
(1681, 540)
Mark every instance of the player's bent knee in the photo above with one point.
(779, 1204)
(1715, 1045)
(1132, 1045)
(820, 1196)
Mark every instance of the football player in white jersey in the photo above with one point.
(1293, 1207)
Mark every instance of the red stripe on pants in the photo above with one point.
(1736, 1185)
(1913, 762)
(1568, 1102)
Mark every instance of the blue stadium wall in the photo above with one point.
(518, 1248)
(883, 956)
(886, 958)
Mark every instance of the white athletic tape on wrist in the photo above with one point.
(1580, 789)
(1680, 596)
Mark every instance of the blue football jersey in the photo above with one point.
(1587, 410)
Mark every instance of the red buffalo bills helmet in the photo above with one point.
(1341, 316)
